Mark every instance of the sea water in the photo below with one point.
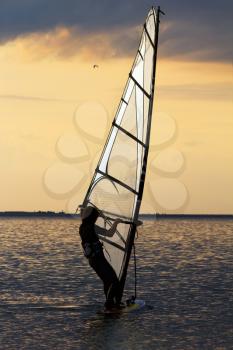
(50, 297)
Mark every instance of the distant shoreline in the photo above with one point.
(63, 215)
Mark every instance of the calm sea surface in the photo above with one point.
(185, 275)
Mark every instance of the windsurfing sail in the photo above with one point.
(117, 186)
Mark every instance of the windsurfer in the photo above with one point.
(93, 251)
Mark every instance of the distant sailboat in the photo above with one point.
(116, 188)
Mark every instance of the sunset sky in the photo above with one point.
(55, 109)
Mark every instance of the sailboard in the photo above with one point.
(116, 188)
(131, 307)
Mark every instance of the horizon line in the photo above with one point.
(41, 213)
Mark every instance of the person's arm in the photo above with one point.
(112, 229)
(105, 232)
(109, 233)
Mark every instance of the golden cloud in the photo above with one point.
(70, 42)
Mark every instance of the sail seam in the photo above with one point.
(140, 87)
(129, 134)
(119, 182)
(148, 35)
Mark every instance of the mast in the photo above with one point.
(143, 174)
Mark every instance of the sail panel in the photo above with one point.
(123, 159)
(137, 70)
(128, 90)
(146, 106)
(148, 66)
(150, 25)
(128, 121)
(110, 197)
(114, 257)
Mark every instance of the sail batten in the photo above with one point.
(140, 87)
(148, 35)
(124, 101)
(113, 179)
(117, 185)
(115, 245)
(140, 54)
(129, 134)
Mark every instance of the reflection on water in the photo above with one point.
(50, 298)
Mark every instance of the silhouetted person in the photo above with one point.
(93, 250)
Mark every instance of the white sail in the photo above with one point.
(117, 185)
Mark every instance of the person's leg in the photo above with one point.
(113, 292)
(107, 274)
(111, 283)
(104, 272)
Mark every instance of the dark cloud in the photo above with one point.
(25, 16)
(200, 30)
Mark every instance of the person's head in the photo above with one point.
(89, 214)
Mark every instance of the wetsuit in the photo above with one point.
(93, 250)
